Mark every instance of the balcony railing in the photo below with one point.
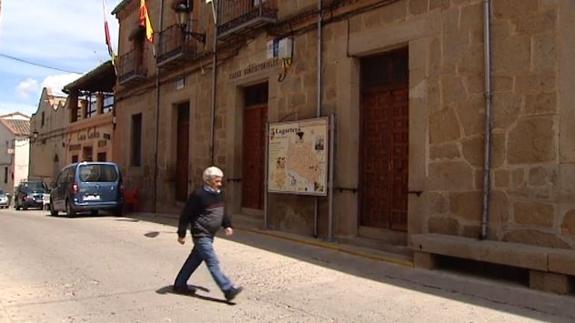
(175, 46)
(131, 66)
(240, 16)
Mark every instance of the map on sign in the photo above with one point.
(298, 157)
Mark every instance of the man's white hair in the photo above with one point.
(212, 172)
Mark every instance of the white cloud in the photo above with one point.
(10, 107)
(57, 82)
(27, 88)
(52, 36)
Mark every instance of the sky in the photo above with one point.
(49, 43)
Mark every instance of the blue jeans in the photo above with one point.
(203, 251)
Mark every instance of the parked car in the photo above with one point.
(30, 194)
(4, 200)
(87, 187)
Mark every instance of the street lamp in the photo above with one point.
(34, 135)
(183, 10)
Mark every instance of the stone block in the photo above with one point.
(544, 53)
(538, 176)
(472, 14)
(518, 178)
(535, 83)
(499, 209)
(514, 8)
(535, 238)
(444, 151)
(541, 104)
(450, 176)
(435, 57)
(541, 22)
(502, 83)
(473, 61)
(443, 126)
(532, 141)
(566, 183)
(443, 225)
(479, 178)
(417, 7)
(471, 231)
(511, 55)
(534, 213)
(471, 113)
(424, 260)
(550, 282)
(450, 19)
(568, 224)
(506, 109)
(474, 150)
(562, 261)
(434, 202)
(455, 45)
(497, 252)
(441, 4)
(501, 178)
(474, 84)
(467, 205)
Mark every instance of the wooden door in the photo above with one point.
(182, 152)
(253, 163)
(384, 146)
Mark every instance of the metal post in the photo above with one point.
(214, 83)
(488, 125)
(331, 166)
(266, 169)
(156, 155)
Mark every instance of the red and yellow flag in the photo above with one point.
(145, 21)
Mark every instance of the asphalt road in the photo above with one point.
(108, 269)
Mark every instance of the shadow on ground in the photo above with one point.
(169, 290)
(501, 296)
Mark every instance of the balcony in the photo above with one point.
(176, 47)
(237, 17)
(131, 67)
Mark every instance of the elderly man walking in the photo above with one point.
(204, 214)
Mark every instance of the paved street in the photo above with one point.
(107, 269)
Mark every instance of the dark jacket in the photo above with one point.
(204, 213)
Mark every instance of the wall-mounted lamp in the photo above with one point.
(183, 10)
(34, 135)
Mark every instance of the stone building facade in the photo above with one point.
(406, 82)
(47, 140)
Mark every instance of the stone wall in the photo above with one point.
(529, 202)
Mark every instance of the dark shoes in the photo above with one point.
(231, 293)
(184, 290)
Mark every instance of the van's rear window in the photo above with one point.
(98, 173)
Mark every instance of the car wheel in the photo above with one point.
(117, 212)
(52, 211)
(94, 212)
(70, 212)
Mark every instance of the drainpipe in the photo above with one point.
(157, 117)
(488, 121)
(216, 11)
(318, 107)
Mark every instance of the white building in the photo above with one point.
(15, 149)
